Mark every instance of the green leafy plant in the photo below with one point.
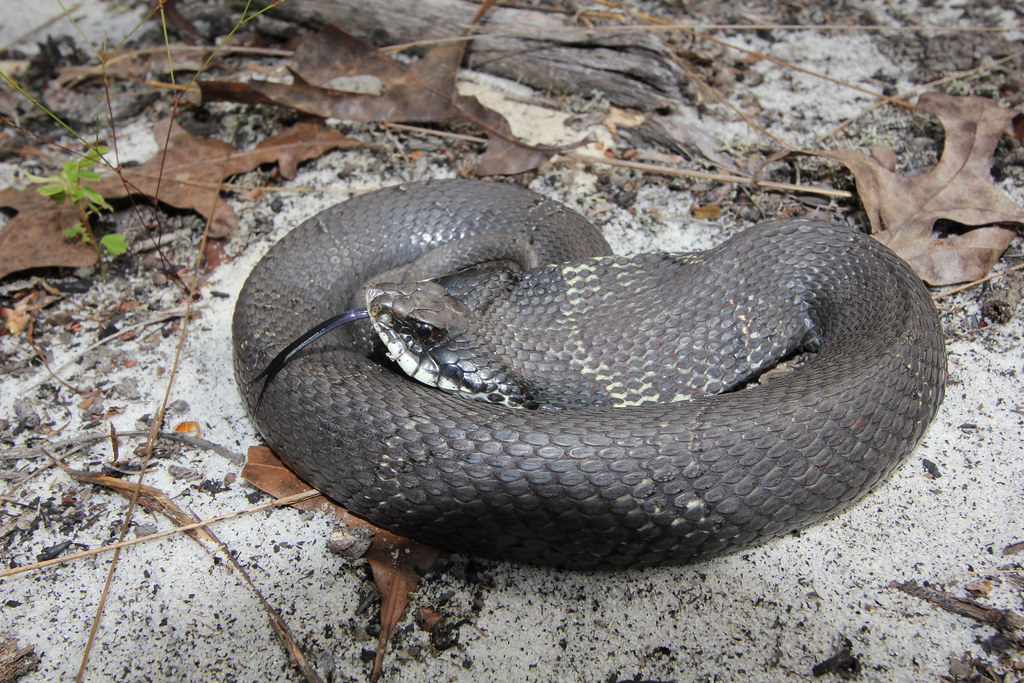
(71, 185)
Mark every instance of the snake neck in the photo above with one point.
(608, 331)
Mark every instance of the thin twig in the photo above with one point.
(667, 27)
(724, 101)
(46, 363)
(1005, 620)
(163, 316)
(793, 67)
(83, 439)
(740, 180)
(158, 501)
(976, 71)
(288, 500)
(8, 495)
(431, 131)
(961, 288)
(654, 168)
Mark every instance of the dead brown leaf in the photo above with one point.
(397, 565)
(397, 562)
(339, 75)
(214, 254)
(903, 209)
(189, 176)
(708, 212)
(17, 320)
(34, 239)
(305, 140)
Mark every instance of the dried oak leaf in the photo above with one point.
(304, 141)
(33, 238)
(397, 562)
(338, 75)
(903, 209)
(189, 176)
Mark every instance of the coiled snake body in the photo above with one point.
(599, 486)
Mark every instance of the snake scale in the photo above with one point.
(598, 486)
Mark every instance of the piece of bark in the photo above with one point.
(633, 68)
(16, 661)
(1004, 620)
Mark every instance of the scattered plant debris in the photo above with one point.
(903, 210)
(397, 563)
(341, 76)
(71, 186)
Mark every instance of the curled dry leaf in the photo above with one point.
(397, 562)
(190, 174)
(14, 321)
(17, 320)
(28, 301)
(903, 209)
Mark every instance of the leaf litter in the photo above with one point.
(188, 176)
(397, 562)
(384, 90)
(903, 210)
(34, 236)
(397, 91)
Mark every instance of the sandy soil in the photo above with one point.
(177, 611)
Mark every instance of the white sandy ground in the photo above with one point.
(768, 614)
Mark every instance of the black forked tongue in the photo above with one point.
(308, 337)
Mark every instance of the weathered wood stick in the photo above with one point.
(632, 69)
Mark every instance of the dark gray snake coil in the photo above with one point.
(650, 484)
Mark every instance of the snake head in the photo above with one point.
(430, 335)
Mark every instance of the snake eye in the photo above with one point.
(426, 333)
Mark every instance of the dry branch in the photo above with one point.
(633, 69)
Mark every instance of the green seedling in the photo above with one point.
(71, 185)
